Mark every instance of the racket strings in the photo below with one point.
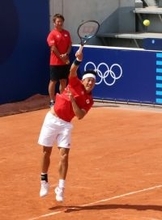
(88, 29)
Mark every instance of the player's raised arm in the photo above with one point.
(76, 63)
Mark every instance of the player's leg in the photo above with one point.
(45, 161)
(63, 141)
(44, 170)
(63, 169)
(46, 139)
(63, 163)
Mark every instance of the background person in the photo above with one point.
(76, 100)
(59, 41)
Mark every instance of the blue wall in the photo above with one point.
(125, 74)
(24, 54)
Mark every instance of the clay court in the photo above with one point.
(115, 170)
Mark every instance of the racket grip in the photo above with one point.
(80, 49)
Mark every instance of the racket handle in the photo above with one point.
(80, 49)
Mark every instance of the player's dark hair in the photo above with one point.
(58, 16)
(90, 71)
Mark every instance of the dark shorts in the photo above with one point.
(59, 72)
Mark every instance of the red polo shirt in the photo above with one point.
(63, 106)
(61, 40)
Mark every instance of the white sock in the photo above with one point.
(61, 183)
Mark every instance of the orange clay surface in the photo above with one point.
(115, 170)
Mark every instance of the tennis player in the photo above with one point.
(76, 100)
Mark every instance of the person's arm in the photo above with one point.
(75, 64)
(70, 45)
(79, 113)
(63, 57)
(53, 48)
(69, 49)
(55, 51)
(51, 44)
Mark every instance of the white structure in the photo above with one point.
(77, 11)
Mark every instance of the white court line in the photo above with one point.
(46, 215)
(100, 201)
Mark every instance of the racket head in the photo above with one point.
(87, 30)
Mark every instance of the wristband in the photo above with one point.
(77, 62)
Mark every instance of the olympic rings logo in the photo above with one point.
(107, 74)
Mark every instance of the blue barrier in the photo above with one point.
(125, 74)
(24, 53)
(132, 75)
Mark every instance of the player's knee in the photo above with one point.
(47, 151)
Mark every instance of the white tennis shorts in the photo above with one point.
(55, 130)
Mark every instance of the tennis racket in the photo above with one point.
(86, 31)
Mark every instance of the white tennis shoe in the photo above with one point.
(44, 188)
(59, 194)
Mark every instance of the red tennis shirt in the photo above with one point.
(63, 106)
(61, 40)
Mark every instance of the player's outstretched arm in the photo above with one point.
(76, 63)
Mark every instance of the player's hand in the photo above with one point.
(79, 55)
(69, 93)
